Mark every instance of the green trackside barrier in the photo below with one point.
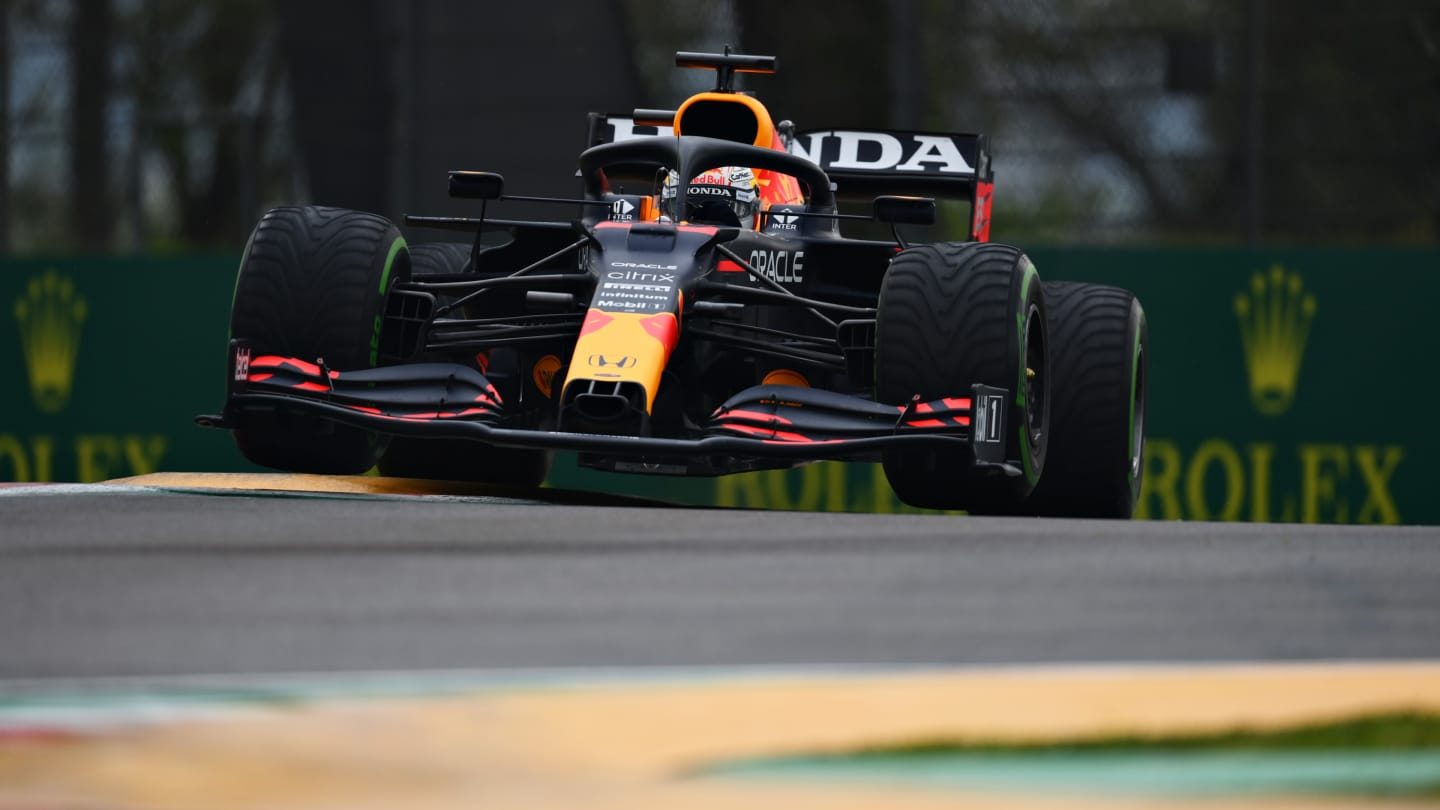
(106, 361)
(1282, 385)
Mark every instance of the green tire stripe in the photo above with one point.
(1134, 375)
(395, 248)
(1029, 274)
(390, 262)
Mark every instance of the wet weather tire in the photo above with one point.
(313, 284)
(433, 258)
(446, 459)
(951, 315)
(1099, 353)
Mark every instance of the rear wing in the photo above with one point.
(863, 164)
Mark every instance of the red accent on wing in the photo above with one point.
(751, 429)
(595, 320)
(366, 409)
(259, 377)
(310, 386)
(728, 266)
(934, 423)
(757, 416)
(302, 366)
(780, 436)
(962, 403)
(276, 361)
(662, 327)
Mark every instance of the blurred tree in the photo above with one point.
(1232, 119)
(1110, 119)
(1079, 91)
(659, 30)
(345, 90)
(91, 29)
(1350, 98)
(834, 60)
(5, 52)
(204, 78)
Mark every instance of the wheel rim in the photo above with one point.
(1137, 418)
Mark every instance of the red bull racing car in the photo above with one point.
(700, 314)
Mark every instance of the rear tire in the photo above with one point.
(950, 315)
(433, 258)
(1100, 353)
(446, 459)
(313, 284)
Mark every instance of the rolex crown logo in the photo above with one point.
(1275, 316)
(50, 316)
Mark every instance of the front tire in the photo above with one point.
(1101, 350)
(449, 460)
(950, 315)
(313, 283)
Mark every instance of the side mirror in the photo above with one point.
(654, 118)
(476, 185)
(905, 210)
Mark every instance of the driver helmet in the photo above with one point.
(725, 196)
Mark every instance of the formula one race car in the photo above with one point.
(714, 322)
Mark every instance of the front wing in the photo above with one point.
(760, 427)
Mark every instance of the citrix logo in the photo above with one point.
(632, 275)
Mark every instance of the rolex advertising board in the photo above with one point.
(1282, 383)
(106, 362)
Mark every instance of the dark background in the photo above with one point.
(145, 126)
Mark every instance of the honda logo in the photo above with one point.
(612, 360)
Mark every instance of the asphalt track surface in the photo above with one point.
(134, 584)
